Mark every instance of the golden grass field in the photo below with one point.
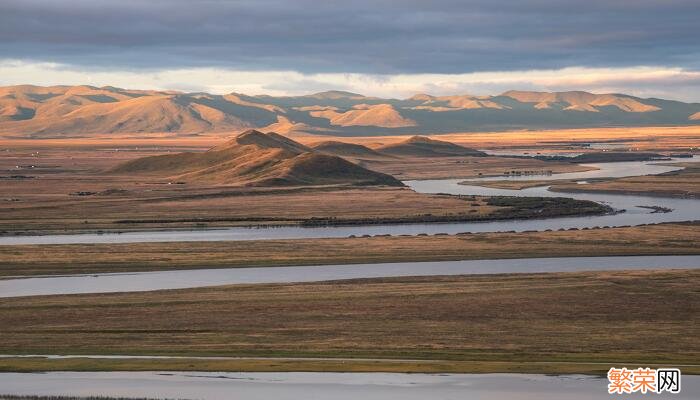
(464, 167)
(644, 138)
(95, 258)
(641, 138)
(503, 322)
(41, 364)
(54, 189)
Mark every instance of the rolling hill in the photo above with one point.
(343, 149)
(379, 115)
(76, 111)
(580, 101)
(254, 158)
(420, 146)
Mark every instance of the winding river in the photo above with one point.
(683, 210)
(182, 279)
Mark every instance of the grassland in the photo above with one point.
(41, 364)
(523, 322)
(463, 167)
(661, 138)
(171, 208)
(59, 189)
(516, 185)
(38, 213)
(639, 138)
(663, 239)
(68, 191)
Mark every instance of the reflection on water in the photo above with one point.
(144, 281)
(337, 386)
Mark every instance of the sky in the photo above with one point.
(647, 48)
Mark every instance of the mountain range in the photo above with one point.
(77, 111)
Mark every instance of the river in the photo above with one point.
(308, 385)
(181, 279)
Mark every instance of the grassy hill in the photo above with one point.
(343, 149)
(258, 159)
(420, 146)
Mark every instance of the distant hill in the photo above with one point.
(581, 101)
(420, 146)
(257, 159)
(343, 149)
(379, 115)
(75, 111)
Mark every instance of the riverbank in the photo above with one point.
(313, 385)
(44, 206)
(548, 323)
(37, 260)
(474, 209)
(504, 208)
(683, 184)
(344, 365)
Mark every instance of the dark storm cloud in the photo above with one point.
(380, 37)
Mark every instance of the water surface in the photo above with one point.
(337, 386)
(181, 279)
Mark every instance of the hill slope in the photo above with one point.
(420, 146)
(343, 149)
(580, 101)
(80, 110)
(258, 159)
(381, 115)
(65, 111)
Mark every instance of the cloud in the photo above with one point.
(645, 81)
(366, 37)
